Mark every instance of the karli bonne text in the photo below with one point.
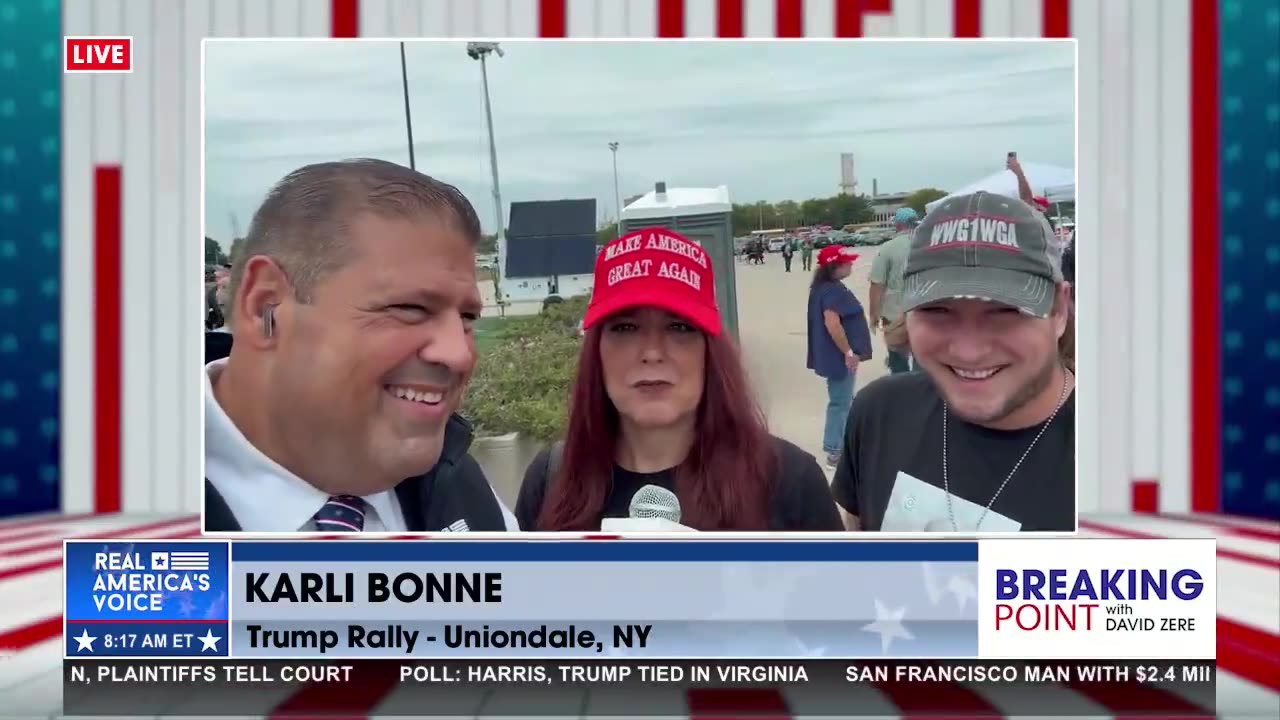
(407, 587)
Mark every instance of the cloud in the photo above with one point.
(768, 119)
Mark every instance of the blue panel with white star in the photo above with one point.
(30, 261)
(147, 599)
(1250, 172)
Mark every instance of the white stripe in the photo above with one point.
(1173, 257)
(226, 18)
(169, 384)
(939, 18)
(908, 18)
(876, 25)
(1114, 378)
(108, 135)
(997, 18)
(375, 19)
(1085, 19)
(195, 25)
(139, 269)
(404, 19)
(759, 18)
(494, 18)
(1026, 19)
(257, 17)
(434, 18)
(316, 18)
(524, 19)
(642, 17)
(1145, 235)
(285, 18)
(464, 18)
(76, 285)
(700, 18)
(819, 18)
(582, 20)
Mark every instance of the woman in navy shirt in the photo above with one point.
(839, 339)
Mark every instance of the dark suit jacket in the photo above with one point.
(455, 489)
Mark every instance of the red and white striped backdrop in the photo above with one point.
(132, 179)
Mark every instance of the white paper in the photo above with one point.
(918, 506)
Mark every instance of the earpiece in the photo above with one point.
(268, 321)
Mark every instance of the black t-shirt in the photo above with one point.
(894, 436)
(801, 498)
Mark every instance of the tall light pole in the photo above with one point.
(408, 119)
(479, 51)
(617, 197)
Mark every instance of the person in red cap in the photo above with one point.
(661, 399)
(839, 339)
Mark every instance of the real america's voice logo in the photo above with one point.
(129, 581)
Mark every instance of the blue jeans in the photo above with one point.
(839, 398)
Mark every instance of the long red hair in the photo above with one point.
(725, 482)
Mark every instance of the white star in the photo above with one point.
(963, 589)
(889, 625)
(931, 584)
(209, 641)
(84, 641)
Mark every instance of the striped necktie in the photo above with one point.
(342, 513)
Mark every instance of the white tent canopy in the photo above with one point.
(1056, 184)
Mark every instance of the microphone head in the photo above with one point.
(652, 501)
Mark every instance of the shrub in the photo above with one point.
(522, 378)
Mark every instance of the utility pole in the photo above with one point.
(479, 51)
(617, 197)
(408, 118)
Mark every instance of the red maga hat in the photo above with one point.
(836, 254)
(655, 267)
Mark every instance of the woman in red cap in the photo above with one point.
(839, 338)
(661, 399)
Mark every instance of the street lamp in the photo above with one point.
(617, 197)
(408, 118)
(480, 51)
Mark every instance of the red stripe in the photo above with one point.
(107, 281)
(879, 7)
(937, 701)
(726, 703)
(334, 701)
(1145, 496)
(848, 22)
(967, 18)
(601, 537)
(1249, 652)
(729, 22)
(33, 634)
(121, 533)
(552, 22)
(1205, 311)
(1253, 533)
(789, 18)
(345, 18)
(1131, 700)
(20, 570)
(1223, 553)
(1055, 18)
(670, 18)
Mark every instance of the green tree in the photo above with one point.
(213, 254)
(922, 197)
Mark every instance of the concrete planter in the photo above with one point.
(504, 459)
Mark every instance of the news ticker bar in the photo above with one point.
(629, 688)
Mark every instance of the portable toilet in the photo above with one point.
(704, 215)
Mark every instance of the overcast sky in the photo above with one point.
(767, 119)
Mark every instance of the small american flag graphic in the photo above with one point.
(458, 526)
(197, 560)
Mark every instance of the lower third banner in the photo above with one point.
(641, 688)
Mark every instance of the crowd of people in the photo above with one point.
(345, 347)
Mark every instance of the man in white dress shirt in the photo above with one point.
(352, 302)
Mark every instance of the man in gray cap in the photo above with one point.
(983, 440)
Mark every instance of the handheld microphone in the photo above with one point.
(652, 509)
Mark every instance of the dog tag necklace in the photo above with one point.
(946, 485)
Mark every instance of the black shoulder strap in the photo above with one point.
(554, 457)
(217, 515)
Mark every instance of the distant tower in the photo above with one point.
(848, 185)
